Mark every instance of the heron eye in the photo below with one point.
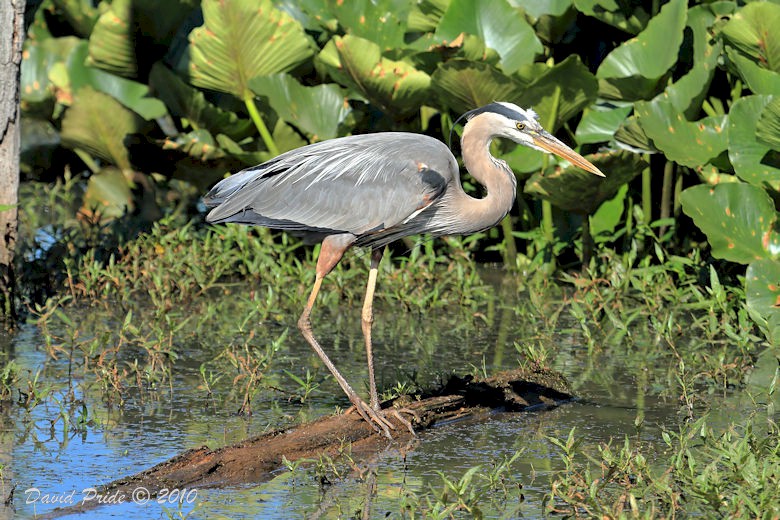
(520, 126)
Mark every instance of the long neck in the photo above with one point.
(499, 182)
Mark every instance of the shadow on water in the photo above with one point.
(68, 443)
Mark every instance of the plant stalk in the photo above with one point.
(548, 227)
(249, 101)
(666, 194)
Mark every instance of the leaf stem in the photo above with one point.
(249, 101)
(548, 226)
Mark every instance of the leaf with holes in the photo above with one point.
(739, 220)
(753, 161)
(242, 39)
(388, 84)
(293, 102)
(578, 191)
(762, 291)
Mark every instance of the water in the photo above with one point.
(50, 462)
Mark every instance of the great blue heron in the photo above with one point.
(369, 190)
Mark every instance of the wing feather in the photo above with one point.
(358, 184)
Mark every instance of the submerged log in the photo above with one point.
(255, 460)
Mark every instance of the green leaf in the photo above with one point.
(97, 123)
(131, 94)
(688, 143)
(191, 104)
(768, 127)
(131, 34)
(242, 39)
(599, 124)
(39, 56)
(296, 104)
(539, 8)
(607, 217)
(463, 85)
(738, 219)
(630, 71)
(425, 15)
(380, 21)
(578, 89)
(578, 191)
(686, 93)
(751, 158)
(653, 51)
(80, 14)
(753, 32)
(758, 79)
(628, 16)
(390, 85)
(498, 24)
(108, 195)
(111, 46)
(631, 136)
(762, 291)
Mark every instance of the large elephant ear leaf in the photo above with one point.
(191, 104)
(632, 70)
(97, 124)
(768, 127)
(738, 219)
(578, 89)
(111, 44)
(615, 12)
(501, 26)
(762, 291)
(463, 85)
(753, 160)
(296, 104)
(358, 63)
(688, 143)
(381, 21)
(132, 28)
(242, 39)
(578, 191)
(753, 32)
(108, 195)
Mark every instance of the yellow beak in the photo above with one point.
(549, 143)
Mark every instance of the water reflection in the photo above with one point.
(624, 389)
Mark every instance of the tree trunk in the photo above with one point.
(11, 38)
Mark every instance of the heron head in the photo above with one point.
(522, 126)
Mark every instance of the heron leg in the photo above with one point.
(333, 248)
(368, 320)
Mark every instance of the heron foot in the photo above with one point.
(396, 412)
(376, 418)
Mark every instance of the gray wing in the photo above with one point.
(358, 184)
